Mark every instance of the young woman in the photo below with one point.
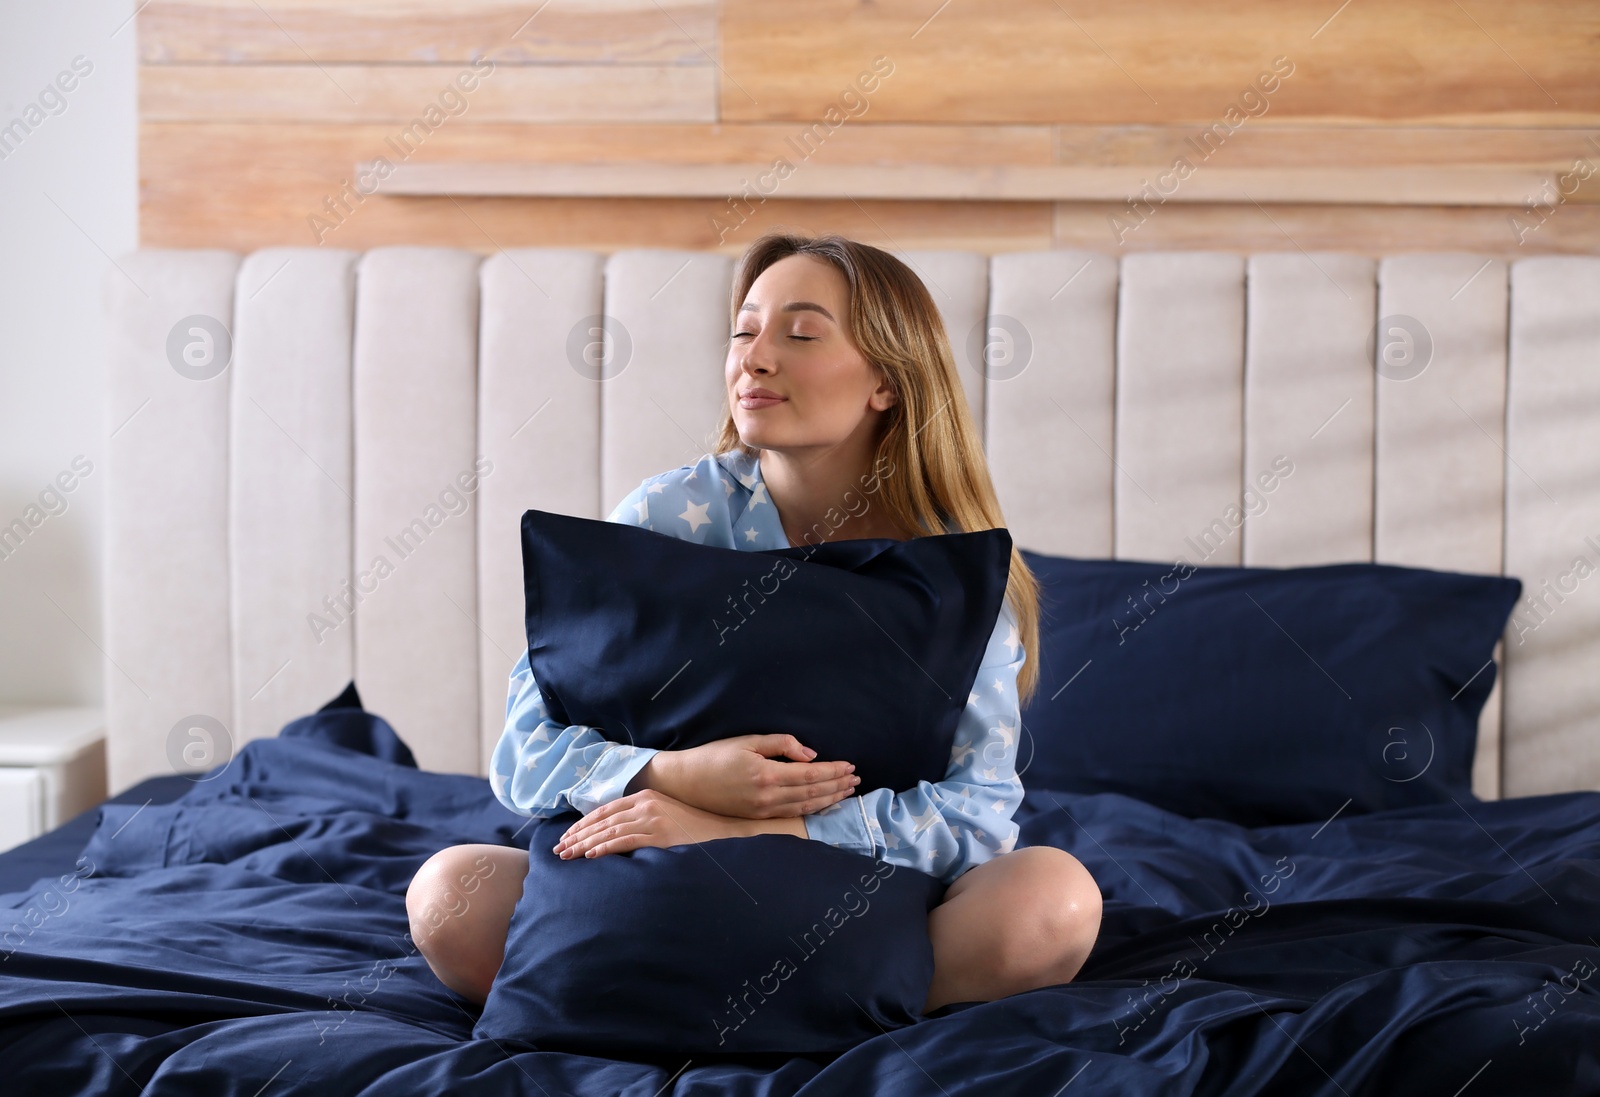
(844, 419)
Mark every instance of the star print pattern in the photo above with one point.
(542, 768)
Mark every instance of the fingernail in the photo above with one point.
(855, 780)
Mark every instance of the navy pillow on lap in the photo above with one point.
(865, 651)
(1261, 695)
(738, 946)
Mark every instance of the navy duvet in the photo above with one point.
(251, 938)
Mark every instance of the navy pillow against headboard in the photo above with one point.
(1261, 695)
(865, 650)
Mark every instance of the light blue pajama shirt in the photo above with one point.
(543, 768)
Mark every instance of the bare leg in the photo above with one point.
(1023, 920)
(460, 905)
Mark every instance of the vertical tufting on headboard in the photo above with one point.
(415, 402)
(539, 353)
(1552, 715)
(1440, 460)
(291, 496)
(167, 637)
(336, 494)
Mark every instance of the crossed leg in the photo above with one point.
(459, 905)
(1023, 920)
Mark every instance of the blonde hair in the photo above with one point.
(940, 474)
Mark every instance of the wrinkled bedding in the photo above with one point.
(251, 938)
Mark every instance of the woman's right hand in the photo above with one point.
(742, 776)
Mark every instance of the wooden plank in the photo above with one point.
(1365, 230)
(1468, 185)
(1165, 61)
(622, 142)
(242, 32)
(441, 95)
(256, 186)
(1270, 142)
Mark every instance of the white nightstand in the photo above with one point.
(52, 766)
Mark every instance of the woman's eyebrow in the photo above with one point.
(792, 306)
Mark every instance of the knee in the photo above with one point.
(438, 902)
(1065, 912)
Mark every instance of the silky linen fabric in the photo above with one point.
(1262, 695)
(863, 649)
(251, 937)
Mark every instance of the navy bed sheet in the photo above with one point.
(250, 937)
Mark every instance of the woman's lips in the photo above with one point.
(754, 402)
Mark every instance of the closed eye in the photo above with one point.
(805, 338)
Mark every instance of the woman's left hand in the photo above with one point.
(645, 818)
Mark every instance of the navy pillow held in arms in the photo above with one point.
(865, 650)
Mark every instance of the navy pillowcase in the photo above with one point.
(1261, 696)
(865, 650)
(732, 948)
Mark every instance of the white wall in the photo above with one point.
(68, 207)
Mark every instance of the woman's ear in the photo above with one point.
(883, 397)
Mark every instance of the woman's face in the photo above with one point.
(790, 339)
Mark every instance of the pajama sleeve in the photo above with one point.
(944, 828)
(542, 767)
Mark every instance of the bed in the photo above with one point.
(232, 920)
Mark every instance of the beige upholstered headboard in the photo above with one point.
(320, 457)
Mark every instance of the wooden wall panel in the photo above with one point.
(1365, 230)
(254, 186)
(561, 32)
(452, 94)
(1166, 60)
(255, 115)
